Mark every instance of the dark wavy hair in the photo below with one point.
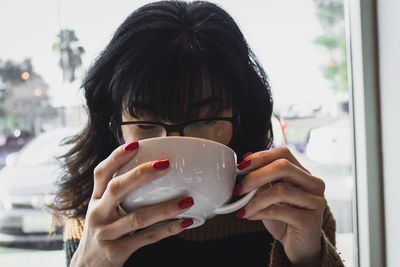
(161, 60)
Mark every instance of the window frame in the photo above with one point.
(362, 55)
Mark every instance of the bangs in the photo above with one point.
(177, 83)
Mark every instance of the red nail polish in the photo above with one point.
(186, 223)
(241, 213)
(247, 154)
(131, 146)
(161, 164)
(238, 189)
(186, 203)
(244, 164)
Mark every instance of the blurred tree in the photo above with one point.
(24, 99)
(70, 53)
(11, 73)
(331, 16)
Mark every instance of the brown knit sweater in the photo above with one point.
(223, 227)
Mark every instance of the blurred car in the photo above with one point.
(301, 110)
(331, 144)
(12, 143)
(27, 182)
(18, 140)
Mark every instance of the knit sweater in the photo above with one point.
(222, 241)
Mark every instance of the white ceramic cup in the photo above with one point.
(200, 168)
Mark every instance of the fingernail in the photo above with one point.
(244, 164)
(186, 203)
(247, 154)
(238, 189)
(241, 213)
(131, 146)
(161, 164)
(186, 223)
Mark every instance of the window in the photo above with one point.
(300, 43)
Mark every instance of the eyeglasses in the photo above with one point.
(219, 129)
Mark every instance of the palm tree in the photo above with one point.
(70, 54)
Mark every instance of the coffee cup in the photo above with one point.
(200, 168)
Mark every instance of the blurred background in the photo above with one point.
(47, 46)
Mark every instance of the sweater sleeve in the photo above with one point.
(73, 229)
(329, 258)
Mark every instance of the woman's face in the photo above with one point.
(219, 130)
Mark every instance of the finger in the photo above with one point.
(119, 187)
(153, 234)
(282, 170)
(283, 193)
(116, 252)
(144, 217)
(106, 169)
(262, 158)
(299, 219)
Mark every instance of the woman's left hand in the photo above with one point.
(291, 209)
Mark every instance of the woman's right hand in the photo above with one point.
(108, 238)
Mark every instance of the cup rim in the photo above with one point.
(188, 138)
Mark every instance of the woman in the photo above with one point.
(189, 66)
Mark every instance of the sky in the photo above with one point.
(281, 34)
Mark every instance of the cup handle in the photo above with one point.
(231, 207)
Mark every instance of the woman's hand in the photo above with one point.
(108, 238)
(291, 208)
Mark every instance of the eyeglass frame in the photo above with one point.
(113, 125)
